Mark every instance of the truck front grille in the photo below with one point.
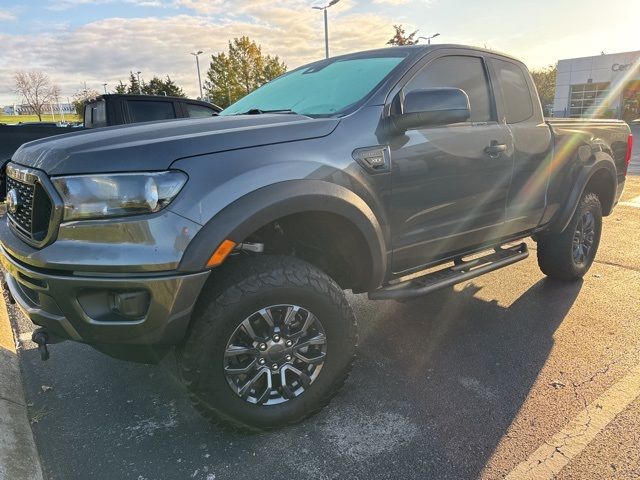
(21, 218)
(29, 206)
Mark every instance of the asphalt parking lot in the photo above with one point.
(473, 382)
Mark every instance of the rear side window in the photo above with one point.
(145, 111)
(465, 73)
(198, 111)
(516, 95)
(95, 114)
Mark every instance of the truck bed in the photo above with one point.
(608, 132)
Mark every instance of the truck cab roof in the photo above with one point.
(119, 109)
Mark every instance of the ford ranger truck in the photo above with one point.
(232, 239)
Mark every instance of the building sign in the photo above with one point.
(621, 67)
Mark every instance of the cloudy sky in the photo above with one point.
(100, 41)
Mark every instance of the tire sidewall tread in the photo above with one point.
(231, 295)
(555, 251)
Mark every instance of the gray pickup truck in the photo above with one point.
(231, 239)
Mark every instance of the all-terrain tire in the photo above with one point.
(556, 254)
(237, 290)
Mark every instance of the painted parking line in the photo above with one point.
(634, 202)
(555, 453)
(7, 340)
(18, 454)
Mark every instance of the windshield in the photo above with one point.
(322, 89)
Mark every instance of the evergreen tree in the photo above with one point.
(239, 71)
(273, 68)
(218, 81)
(121, 87)
(158, 86)
(155, 86)
(134, 86)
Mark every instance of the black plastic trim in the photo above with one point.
(462, 271)
(257, 209)
(602, 162)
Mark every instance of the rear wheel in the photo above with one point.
(273, 339)
(569, 255)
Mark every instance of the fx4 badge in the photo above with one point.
(374, 159)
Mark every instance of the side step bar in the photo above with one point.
(461, 271)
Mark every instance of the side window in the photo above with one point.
(145, 111)
(95, 114)
(465, 73)
(198, 111)
(516, 95)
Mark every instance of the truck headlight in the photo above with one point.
(118, 194)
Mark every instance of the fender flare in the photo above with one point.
(601, 162)
(257, 209)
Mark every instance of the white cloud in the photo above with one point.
(399, 2)
(202, 6)
(59, 5)
(6, 15)
(391, 2)
(106, 50)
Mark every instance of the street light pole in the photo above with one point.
(326, 33)
(139, 85)
(326, 24)
(105, 88)
(195, 54)
(428, 39)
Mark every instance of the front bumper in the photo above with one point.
(80, 307)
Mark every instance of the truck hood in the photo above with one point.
(156, 145)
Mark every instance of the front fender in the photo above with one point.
(257, 209)
(602, 162)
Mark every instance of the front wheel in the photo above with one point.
(272, 341)
(569, 255)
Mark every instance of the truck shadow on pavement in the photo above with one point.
(463, 367)
(437, 384)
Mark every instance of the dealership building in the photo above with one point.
(607, 85)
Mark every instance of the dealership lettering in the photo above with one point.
(619, 67)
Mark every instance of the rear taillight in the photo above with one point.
(627, 159)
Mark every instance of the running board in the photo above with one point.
(461, 271)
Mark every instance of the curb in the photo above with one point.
(19, 458)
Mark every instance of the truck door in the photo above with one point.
(519, 107)
(450, 183)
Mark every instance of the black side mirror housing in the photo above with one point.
(432, 107)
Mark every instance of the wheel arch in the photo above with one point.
(599, 177)
(258, 209)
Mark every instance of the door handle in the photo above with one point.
(495, 149)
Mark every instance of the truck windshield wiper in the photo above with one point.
(257, 111)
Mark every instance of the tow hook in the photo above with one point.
(40, 338)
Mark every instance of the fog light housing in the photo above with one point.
(132, 305)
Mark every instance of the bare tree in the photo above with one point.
(81, 98)
(37, 90)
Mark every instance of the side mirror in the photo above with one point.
(432, 107)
